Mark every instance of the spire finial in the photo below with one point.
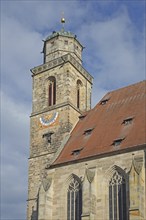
(63, 21)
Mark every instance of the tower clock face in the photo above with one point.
(49, 120)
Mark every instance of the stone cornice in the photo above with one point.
(51, 108)
(60, 61)
(67, 51)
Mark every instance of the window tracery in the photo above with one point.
(117, 197)
(74, 200)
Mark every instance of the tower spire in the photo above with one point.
(62, 21)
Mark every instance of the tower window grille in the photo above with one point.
(117, 198)
(74, 200)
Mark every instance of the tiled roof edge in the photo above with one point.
(124, 87)
(126, 150)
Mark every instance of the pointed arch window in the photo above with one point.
(52, 91)
(74, 200)
(79, 84)
(117, 197)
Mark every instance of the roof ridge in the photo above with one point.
(124, 87)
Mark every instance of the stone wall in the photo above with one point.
(60, 46)
(95, 175)
(66, 77)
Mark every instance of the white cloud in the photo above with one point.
(14, 154)
(116, 56)
(20, 50)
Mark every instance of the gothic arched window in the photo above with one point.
(74, 200)
(79, 84)
(117, 197)
(52, 91)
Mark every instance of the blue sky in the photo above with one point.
(113, 33)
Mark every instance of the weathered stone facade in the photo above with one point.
(94, 175)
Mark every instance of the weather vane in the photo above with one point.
(63, 21)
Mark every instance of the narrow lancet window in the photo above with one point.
(78, 97)
(79, 84)
(52, 91)
(117, 198)
(74, 200)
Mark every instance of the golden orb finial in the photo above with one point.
(63, 20)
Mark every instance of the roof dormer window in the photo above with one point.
(117, 141)
(88, 131)
(76, 152)
(82, 116)
(104, 101)
(127, 121)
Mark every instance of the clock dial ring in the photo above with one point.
(47, 121)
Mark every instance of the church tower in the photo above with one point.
(61, 92)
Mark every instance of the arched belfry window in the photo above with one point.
(74, 200)
(79, 84)
(117, 197)
(52, 91)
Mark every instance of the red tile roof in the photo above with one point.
(103, 129)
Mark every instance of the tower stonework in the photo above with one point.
(61, 92)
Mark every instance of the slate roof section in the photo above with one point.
(108, 132)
